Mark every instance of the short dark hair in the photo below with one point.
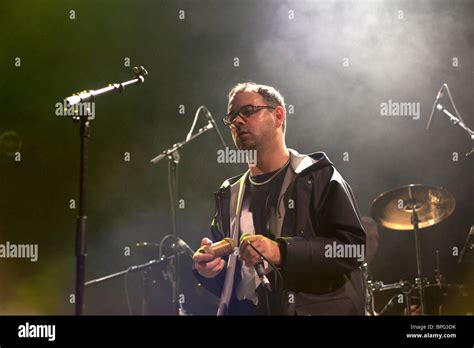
(269, 94)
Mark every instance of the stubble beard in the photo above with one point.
(246, 145)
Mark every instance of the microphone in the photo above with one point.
(86, 96)
(185, 247)
(259, 268)
(222, 248)
(467, 245)
(214, 124)
(263, 278)
(438, 97)
(140, 71)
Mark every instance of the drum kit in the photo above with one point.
(412, 208)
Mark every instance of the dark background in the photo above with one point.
(403, 56)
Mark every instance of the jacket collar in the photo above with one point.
(298, 163)
(301, 162)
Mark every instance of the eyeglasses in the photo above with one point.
(245, 111)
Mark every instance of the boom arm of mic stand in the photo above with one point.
(179, 145)
(131, 269)
(91, 94)
(438, 97)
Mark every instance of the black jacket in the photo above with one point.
(324, 211)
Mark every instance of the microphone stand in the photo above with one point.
(456, 120)
(459, 122)
(419, 266)
(84, 132)
(173, 157)
(145, 267)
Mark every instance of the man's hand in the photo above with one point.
(264, 245)
(207, 265)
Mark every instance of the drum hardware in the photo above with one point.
(411, 208)
(404, 286)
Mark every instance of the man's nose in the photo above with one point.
(238, 119)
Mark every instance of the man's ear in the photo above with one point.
(280, 115)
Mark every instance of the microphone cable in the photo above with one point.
(129, 307)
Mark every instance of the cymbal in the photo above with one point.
(394, 209)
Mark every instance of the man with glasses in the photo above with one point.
(288, 211)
